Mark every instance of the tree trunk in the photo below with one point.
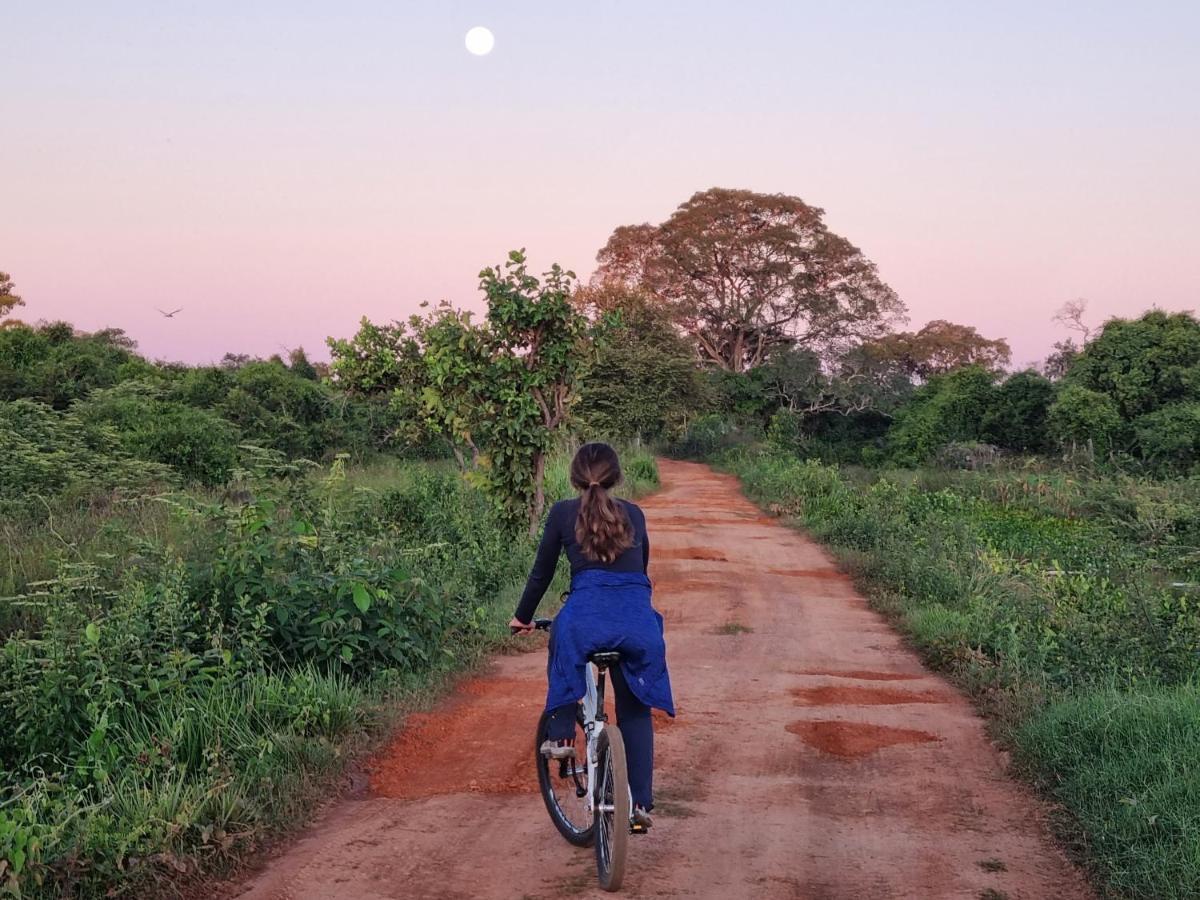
(539, 492)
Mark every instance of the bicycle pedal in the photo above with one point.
(638, 829)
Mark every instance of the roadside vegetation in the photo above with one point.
(219, 583)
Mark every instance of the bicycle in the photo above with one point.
(589, 800)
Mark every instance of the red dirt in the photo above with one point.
(664, 586)
(851, 740)
(690, 553)
(807, 573)
(879, 800)
(459, 737)
(860, 674)
(846, 695)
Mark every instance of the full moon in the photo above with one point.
(480, 41)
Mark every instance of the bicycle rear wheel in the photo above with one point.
(564, 786)
(612, 808)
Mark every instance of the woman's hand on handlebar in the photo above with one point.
(516, 626)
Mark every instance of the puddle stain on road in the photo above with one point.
(856, 695)
(854, 740)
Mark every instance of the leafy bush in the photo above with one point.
(49, 454)
(197, 443)
(1016, 419)
(948, 408)
(1169, 438)
(57, 365)
(707, 435)
(281, 411)
(1085, 418)
(643, 382)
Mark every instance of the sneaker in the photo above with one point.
(558, 749)
(641, 819)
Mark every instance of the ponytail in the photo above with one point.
(602, 528)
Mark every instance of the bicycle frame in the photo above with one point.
(593, 723)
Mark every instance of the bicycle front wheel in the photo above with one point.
(611, 808)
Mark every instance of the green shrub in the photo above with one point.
(1085, 418)
(197, 443)
(50, 454)
(949, 408)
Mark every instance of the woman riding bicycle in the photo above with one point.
(608, 609)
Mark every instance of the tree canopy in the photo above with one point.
(743, 273)
(938, 348)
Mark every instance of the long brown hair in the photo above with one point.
(602, 528)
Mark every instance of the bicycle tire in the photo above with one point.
(576, 836)
(611, 828)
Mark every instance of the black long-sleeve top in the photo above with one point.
(559, 535)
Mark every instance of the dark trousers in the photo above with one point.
(637, 728)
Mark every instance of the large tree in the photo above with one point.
(743, 272)
(938, 348)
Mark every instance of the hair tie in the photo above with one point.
(593, 484)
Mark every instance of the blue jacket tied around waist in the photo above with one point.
(609, 611)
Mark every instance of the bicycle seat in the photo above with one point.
(605, 658)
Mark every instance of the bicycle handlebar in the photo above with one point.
(538, 624)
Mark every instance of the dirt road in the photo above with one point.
(813, 757)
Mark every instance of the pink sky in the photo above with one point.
(281, 174)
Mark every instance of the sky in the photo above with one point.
(280, 170)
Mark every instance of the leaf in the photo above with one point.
(362, 597)
(347, 654)
(92, 633)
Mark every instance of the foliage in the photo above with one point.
(1169, 438)
(643, 381)
(538, 339)
(743, 273)
(708, 434)
(1132, 391)
(1143, 364)
(948, 408)
(9, 299)
(938, 348)
(197, 443)
(50, 454)
(54, 364)
(1058, 363)
(1082, 417)
(1016, 417)
(382, 365)
(284, 411)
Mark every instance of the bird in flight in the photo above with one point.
(171, 314)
